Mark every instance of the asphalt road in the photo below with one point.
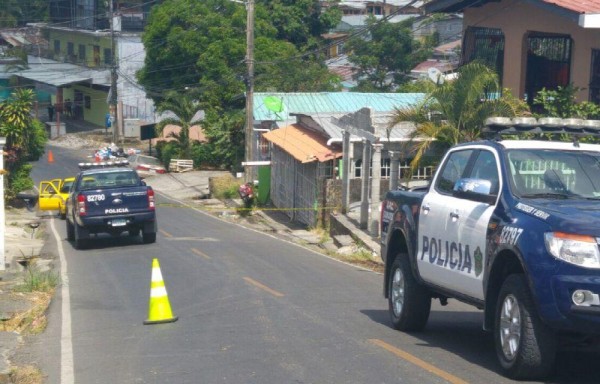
(251, 308)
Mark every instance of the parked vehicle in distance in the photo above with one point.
(146, 165)
(511, 227)
(110, 199)
(53, 195)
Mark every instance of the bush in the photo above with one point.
(36, 141)
(19, 180)
(224, 187)
(203, 155)
(167, 150)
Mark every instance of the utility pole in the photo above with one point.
(113, 77)
(249, 90)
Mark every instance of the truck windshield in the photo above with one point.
(110, 180)
(550, 173)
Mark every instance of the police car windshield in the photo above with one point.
(124, 178)
(551, 173)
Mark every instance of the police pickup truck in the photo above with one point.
(511, 227)
(110, 198)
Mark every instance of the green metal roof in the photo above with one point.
(331, 102)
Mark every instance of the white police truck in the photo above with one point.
(511, 227)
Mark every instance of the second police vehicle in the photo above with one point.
(511, 227)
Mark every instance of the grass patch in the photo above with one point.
(33, 320)
(38, 288)
(27, 374)
(322, 233)
(224, 187)
(37, 281)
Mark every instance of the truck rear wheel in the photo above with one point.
(80, 240)
(149, 237)
(525, 346)
(70, 231)
(409, 302)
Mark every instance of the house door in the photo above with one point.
(595, 77)
(78, 105)
(548, 64)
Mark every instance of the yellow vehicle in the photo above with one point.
(53, 195)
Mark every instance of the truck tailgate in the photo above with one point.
(116, 201)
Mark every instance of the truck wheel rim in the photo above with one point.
(398, 292)
(510, 327)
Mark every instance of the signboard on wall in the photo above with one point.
(147, 131)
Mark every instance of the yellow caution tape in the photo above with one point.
(205, 208)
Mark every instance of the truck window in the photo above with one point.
(452, 170)
(485, 168)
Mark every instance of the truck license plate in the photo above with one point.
(119, 222)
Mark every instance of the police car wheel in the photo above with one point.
(80, 241)
(525, 346)
(409, 302)
(70, 231)
(149, 237)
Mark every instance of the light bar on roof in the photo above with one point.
(552, 125)
(104, 164)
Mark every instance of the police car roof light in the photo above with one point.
(104, 164)
(500, 126)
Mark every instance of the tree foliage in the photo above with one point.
(25, 139)
(184, 108)
(385, 59)
(15, 13)
(561, 102)
(455, 111)
(202, 45)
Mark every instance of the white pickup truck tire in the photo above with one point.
(525, 346)
(409, 301)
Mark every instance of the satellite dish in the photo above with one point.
(274, 104)
(435, 75)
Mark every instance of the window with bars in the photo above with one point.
(358, 168)
(385, 168)
(548, 63)
(485, 45)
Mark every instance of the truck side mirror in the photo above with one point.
(474, 189)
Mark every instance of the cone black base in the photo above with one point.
(171, 320)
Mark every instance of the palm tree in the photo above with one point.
(462, 106)
(184, 107)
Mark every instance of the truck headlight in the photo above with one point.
(575, 249)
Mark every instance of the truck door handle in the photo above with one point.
(454, 215)
(426, 208)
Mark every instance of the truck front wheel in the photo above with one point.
(525, 346)
(409, 301)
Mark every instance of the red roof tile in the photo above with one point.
(580, 6)
(302, 144)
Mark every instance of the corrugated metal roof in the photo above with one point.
(60, 74)
(302, 144)
(334, 131)
(331, 102)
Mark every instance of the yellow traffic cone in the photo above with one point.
(159, 309)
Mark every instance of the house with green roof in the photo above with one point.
(302, 134)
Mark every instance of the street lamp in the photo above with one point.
(2, 215)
